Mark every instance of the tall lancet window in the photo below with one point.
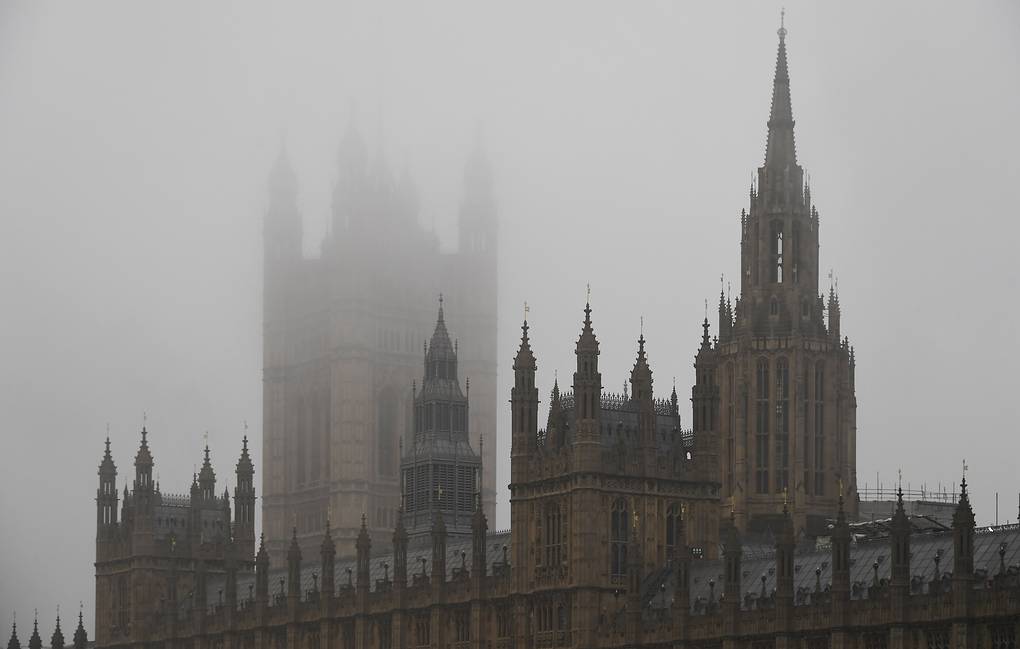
(782, 425)
(672, 530)
(761, 450)
(820, 428)
(618, 535)
(776, 240)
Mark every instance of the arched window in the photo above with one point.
(731, 425)
(672, 530)
(776, 240)
(553, 536)
(782, 425)
(386, 432)
(796, 253)
(618, 535)
(762, 428)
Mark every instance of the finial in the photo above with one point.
(526, 309)
(899, 480)
(205, 438)
(782, 24)
(642, 328)
(706, 308)
(587, 297)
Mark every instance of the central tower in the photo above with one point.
(776, 386)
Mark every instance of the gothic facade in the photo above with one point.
(776, 385)
(156, 552)
(343, 337)
(627, 531)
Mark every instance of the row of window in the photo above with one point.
(446, 486)
(441, 416)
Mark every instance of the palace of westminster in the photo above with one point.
(627, 530)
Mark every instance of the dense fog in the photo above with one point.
(136, 140)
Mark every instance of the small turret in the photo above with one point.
(587, 383)
(294, 567)
(207, 478)
(106, 495)
(143, 466)
(785, 546)
(364, 549)
(400, 552)
(14, 643)
(262, 572)
(328, 554)
(244, 503)
(81, 639)
(479, 528)
(732, 553)
(57, 639)
(35, 642)
(524, 406)
(963, 541)
(900, 539)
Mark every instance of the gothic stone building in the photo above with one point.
(621, 534)
(343, 337)
(776, 387)
(604, 552)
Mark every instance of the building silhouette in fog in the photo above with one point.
(626, 530)
(344, 334)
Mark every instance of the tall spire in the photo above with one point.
(780, 151)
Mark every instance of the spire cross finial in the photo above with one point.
(706, 308)
(587, 295)
(899, 479)
(526, 310)
(440, 299)
(145, 418)
(965, 470)
(642, 329)
(205, 437)
(782, 24)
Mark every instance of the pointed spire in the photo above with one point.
(57, 639)
(81, 638)
(440, 347)
(780, 151)
(144, 456)
(525, 359)
(244, 463)
(587, 342)
(14, 643)
(263, 555)
(35, 642)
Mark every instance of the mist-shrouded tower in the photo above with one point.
(343, 336)
(777, 386)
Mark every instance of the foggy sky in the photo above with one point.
(135, 141)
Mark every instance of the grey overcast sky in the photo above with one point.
(135, 141)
